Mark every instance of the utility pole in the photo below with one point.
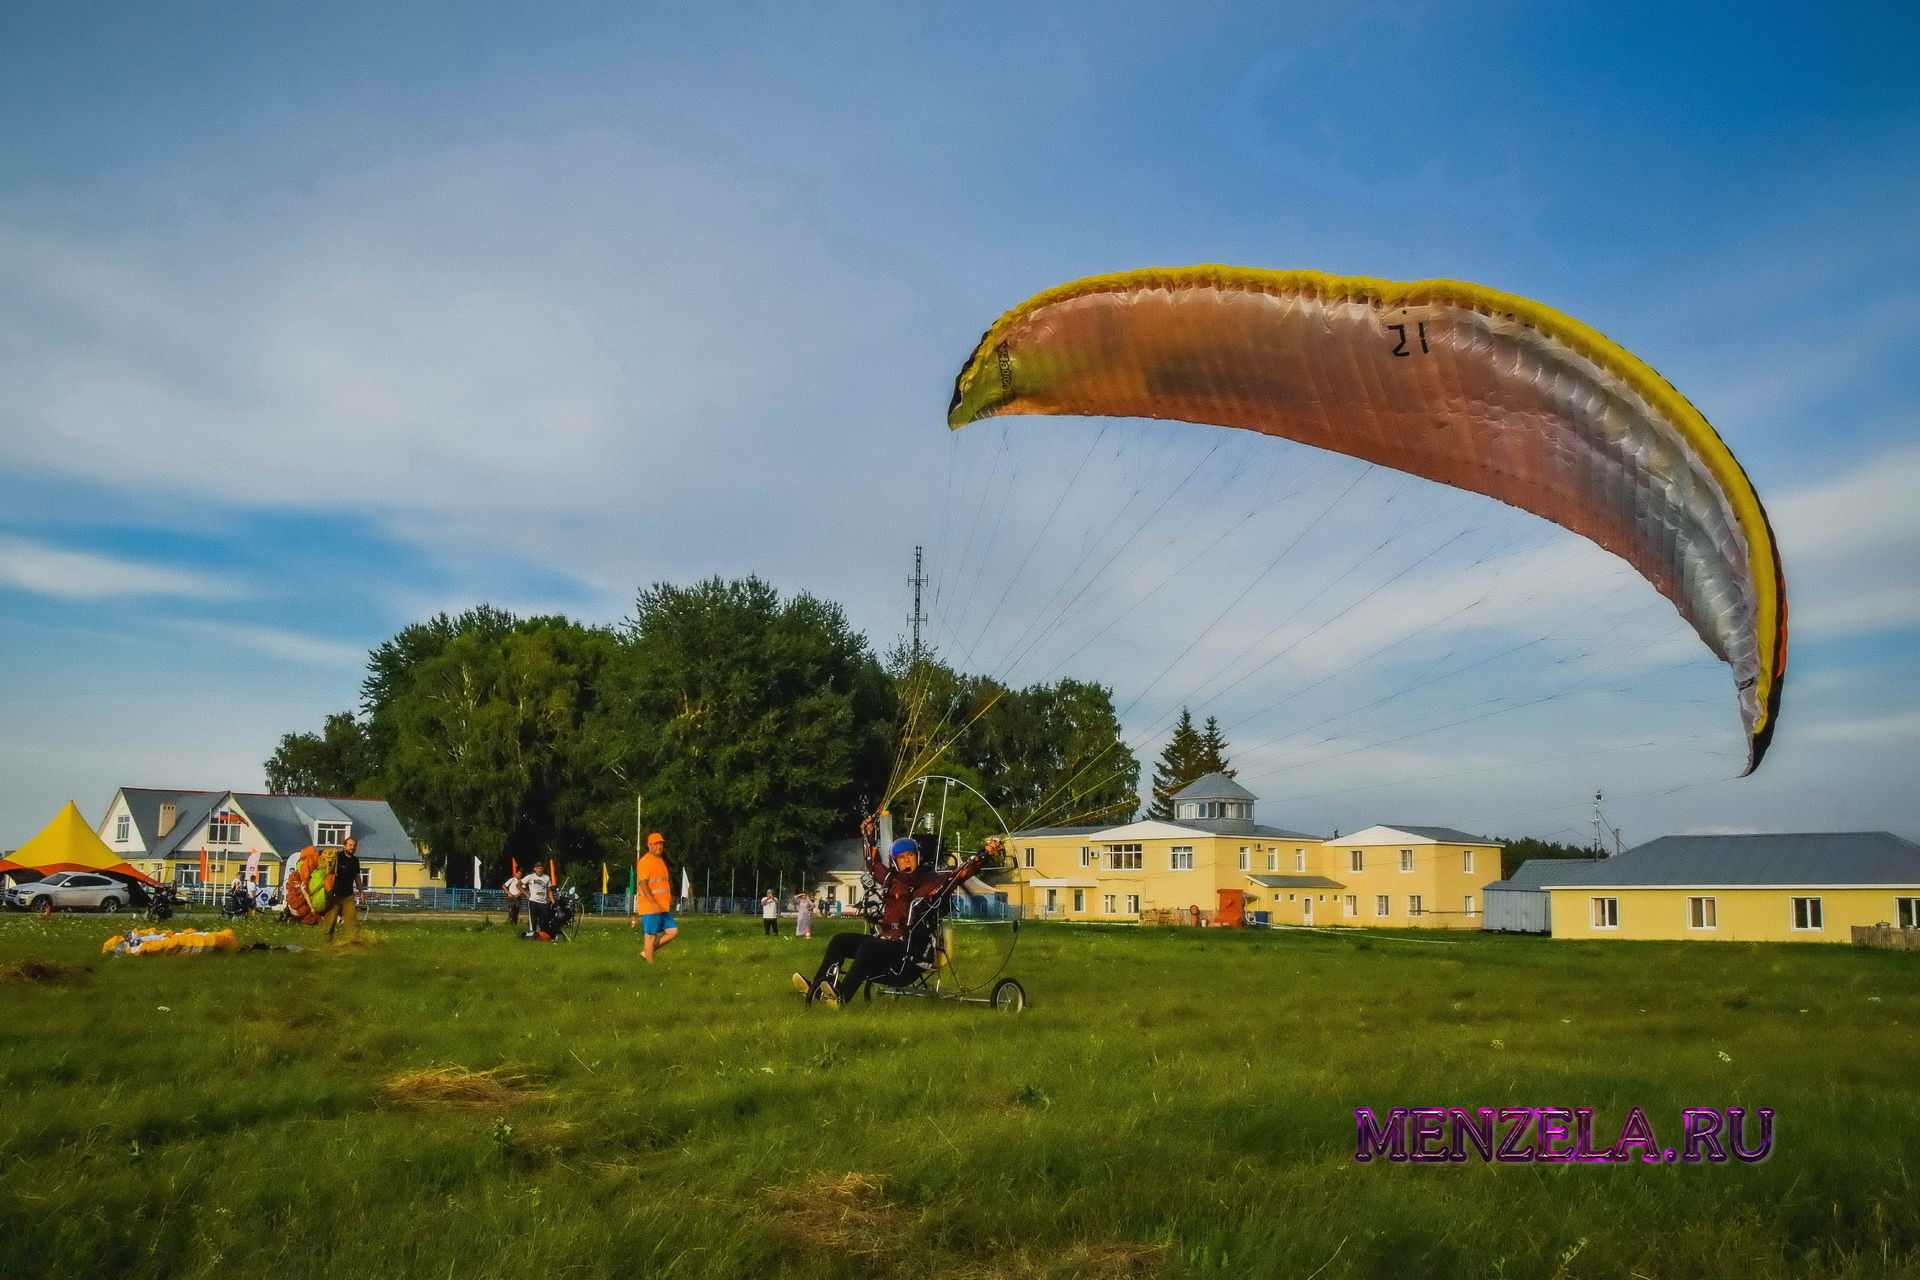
(918, 580)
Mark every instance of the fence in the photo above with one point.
(965, 906)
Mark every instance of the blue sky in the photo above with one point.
(314, 322)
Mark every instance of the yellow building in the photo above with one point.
(1789, 887)
(1399, 877)
(163, 833)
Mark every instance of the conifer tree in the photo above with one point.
(1213, 750)
(1180, 763)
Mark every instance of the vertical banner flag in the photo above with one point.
(552, 874)
(603, 879)
(476, 871)
(515, 862)
(686, 884)
(206, 873)
(253, 867)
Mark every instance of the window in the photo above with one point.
(185, 876)
(1703, 913)
(1806, 914)
(1182, 857)
(1273, 859)
(1466, 861)
(1079, 899)
(1406, 859)
(1469, 904)
(1356, 861)
(1606, 913)
(223, 832)
(1413, 905)
(1133, 904)
(1381, 907)
(1907, 911)
(1123, 857)
(1086, 855)
(1029, 857)
(1053, 901)
(1243, 858)
(1106, 903)
(120, 828)
(1300, 860)
(330, 834)
(1353, 904)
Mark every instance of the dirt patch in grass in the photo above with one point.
(1078, 1262)
(459, 1087)
(39, 971)
(849, 1214)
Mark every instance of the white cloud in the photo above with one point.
(1866, 731)
(293, 646)
(86, 575)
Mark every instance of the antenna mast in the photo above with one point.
(917, 618)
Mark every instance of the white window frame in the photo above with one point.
(1406, 859)
(1086, 855)
(1703, 912)
(1469, 904)
(1416, 906)
(121, 827)
(219, 832)
(1466, 860)
(1180, 858)
(1273, 860)
(1106, 904)
(1906, 912)
(1352, 905)
(1244, 853)
(339, 831)
(1053, 900)
(1029, 857)
(1604, 913)
(1300, 861)
(1382, 905)
(1356, 860)
(1124, 857)
(1133, 904)
(1080, 901)
(1810, 909)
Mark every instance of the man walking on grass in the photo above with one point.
(343, 895)
(653, 898)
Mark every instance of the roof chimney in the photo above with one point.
(169, 814)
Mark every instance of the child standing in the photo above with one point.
(803, 914)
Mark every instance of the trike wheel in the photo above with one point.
(1008, 996)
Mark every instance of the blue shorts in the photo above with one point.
(658, 922)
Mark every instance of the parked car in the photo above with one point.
(71, 890)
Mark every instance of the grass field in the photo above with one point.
(1174, 1103)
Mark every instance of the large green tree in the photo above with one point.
(751, 724)
(337, 761)
(1181, 761)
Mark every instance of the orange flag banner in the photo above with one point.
(515, 862)
(206, 872)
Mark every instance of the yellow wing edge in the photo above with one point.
(1762, 549)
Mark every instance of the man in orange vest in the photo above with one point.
(653, 897)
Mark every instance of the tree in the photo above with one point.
(1515, 852)
(1180, 763)
(1213, 751)
(748, 722)
(337, 761)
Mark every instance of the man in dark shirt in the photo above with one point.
(343, 896)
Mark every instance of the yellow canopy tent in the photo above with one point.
(68, 844)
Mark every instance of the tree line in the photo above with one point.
(756, 727)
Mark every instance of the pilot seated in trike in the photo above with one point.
(903, 940)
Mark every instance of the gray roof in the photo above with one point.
(284, 822)
(1445, 835)
(144, 805)
(1240, 827)
(1786, 859)
(1532, 873)
(1296, 882)
(1057, 831)
(1214, 786)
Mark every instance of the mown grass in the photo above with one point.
(1175, 1103)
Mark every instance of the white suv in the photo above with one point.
(70, 889)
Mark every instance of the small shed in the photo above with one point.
(1519, 904)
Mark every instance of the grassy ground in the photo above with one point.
(1175, 1103)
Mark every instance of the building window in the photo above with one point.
(1381, 907)
(1029, 858)
(1703, 913)
(219, 832)
(1273, 859)
(1469, 904)
(1406, 859)
(1466, 861)
(1053, 901)
(186, 876)
(1106, 904)
(330, 834)
(1806, 914)
(1353, 904)
(1182, 857)
(1133, 904)
(1079, 899)
(1606, 913)
(1907, 911)
(1356, 861)
(1244, 864)
(1414, 907)
(1123, 857)
(1086, 855)
(1300, 860)
(120, 828)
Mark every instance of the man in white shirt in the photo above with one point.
(539, 893)
(514, 893)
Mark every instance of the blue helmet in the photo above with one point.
(905, 844)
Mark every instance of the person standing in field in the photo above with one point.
(803, 914)
(770, 914)
(653, 898)
(512, 886)
(538, 889)
(343, 900)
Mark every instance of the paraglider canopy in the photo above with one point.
(1449, 381)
